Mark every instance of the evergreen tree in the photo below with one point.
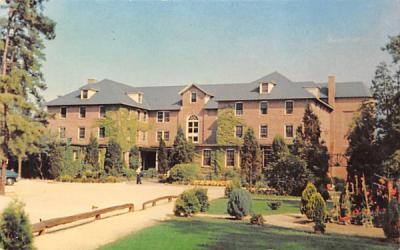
(362, 150)
(134, 158)
(21, 46)
(250, 156)
(113, 160)
(309, 146)
(92, 152)
(162, 157)
(182, 151)
(56, 159)
(279, 148)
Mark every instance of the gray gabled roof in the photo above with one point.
(168, 98)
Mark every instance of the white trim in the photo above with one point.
(236, 131)
(102, 106)
(193, 134)
(66, 112)
(284, 130)
(226, 157)
(236, 114)
(292, 101)
(80, 116)
(191, 93)
(202, 157)
(79, 133)
(259, 132)
(259, 107)
(101, 138)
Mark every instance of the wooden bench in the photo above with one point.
(41, 227)
(154, 201)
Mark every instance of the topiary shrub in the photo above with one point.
(318, 212)
(184, 173)
(305, 200)
(15, 228)
(150, 173)
(201, 194)
(234, 183)
(391, 222)
(257, 219)
(187, 204)
(239, 203)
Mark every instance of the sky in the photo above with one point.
(145, 43)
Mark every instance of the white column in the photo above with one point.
(157, 160)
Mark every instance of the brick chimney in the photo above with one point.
(91, 81)
(331, 90)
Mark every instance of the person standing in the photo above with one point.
(138, 175)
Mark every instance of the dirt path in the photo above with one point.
(47, 199)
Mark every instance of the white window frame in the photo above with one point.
(226, 158)
(236, 111)
(260, 107)
(66, 112)
(193, 134)
(191, 97)
(79, 133)
(236, 131)
(100, 114)
(260, 135)
(80, 114)
(65, 132)
(101, 138)
(284, 130)
(163, 120)
(286, 107)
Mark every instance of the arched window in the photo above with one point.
(193, 129)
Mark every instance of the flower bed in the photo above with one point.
(209, 183)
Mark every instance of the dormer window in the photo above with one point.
(84, 94)
(140, 98)
(136, 96)
(266, 87)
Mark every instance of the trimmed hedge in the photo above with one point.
(191, 201)
(184, 173)
(305, 208)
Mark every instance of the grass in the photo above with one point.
(200, 233)
(259, 205)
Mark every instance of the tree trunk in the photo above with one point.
(19, 167)
(3, 178)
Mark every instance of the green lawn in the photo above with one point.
(200, 233)
(259, 205)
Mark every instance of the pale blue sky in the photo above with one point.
(178, 42)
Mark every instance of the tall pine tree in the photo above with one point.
(182, 151)
(162, 157)
(92, 152)
(21, 45)
(250, 156)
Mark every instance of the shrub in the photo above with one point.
(239, 204)
(339, 184)
(274, 205)
(231, 173)
(318, 212)
(305, 200)
(184, 172)
(201, 194)
(234, 183)
(15, 228)
(187, 204)
(391, 222)
(66, 178)
(150, 173)
(257, 219)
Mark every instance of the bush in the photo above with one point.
(231, 173)
(391, 222)
(187, 204)
(305, 200)
(274, 205)
(150, 173)
(201, 194)
(257, 219)
(239, 204)
(234, 183)
(184, 173)
(339, 184)
(65, 178)
(318, 212)
(15, 228)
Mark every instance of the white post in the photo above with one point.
(157, 160)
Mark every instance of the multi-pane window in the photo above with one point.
(82, 133)
(102, 132)
(263, 131)
(289, 107)
(163, 116)
(193, 97)
(263, 108)
(230, 157)
(145, 116)
(264, 88)
(239, 131)
(85, 94)
(102, 112)
(289, 131)
(63, 112)
(239, 108)
(206, 157)
(82, 112)
(166, 135)
(193, 129)
(62, 132)
(159, 135)
(266, 155)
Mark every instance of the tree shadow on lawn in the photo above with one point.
(219, 234)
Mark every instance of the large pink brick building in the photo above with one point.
(270, 105)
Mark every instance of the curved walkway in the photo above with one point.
(47, 199)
